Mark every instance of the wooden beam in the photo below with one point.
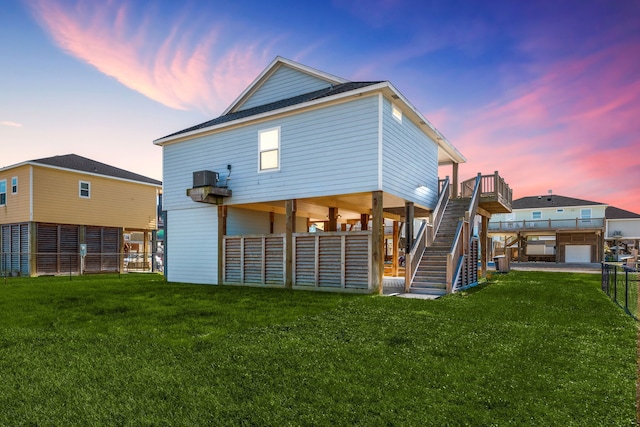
(364, 222)
(454, 181)
(272, 220)
(409, 211)
(377, 240)
(483, 212)
(392, 216)
(395, 254)
(288, 243)
(332, 222)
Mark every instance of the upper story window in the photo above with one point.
(269, 148)
(559, 210)
(84, 189)
(14, 185)
(536, 215)
(585, 215)
(3, 192)
(396, 113)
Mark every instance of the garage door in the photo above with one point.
(577, 253)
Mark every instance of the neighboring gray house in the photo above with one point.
(551, 228)
(303, 150)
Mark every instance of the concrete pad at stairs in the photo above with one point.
(414, 296)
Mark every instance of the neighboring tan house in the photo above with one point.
(622, 232)
(292, 186)
(551, 228)
(51, 208)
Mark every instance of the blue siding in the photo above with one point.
(410, 158)
(327, 151)
(284, 83)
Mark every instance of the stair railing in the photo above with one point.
(462, 241)
(438, 212)
(412, 259)
(426, 234)
(454, 257)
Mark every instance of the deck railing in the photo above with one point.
(547, 224)
(491, 186)
(438, 212)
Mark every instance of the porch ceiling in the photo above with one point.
(350, 207)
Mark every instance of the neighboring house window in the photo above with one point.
(397, 113)
(3, 192)
(269, 146)
(559, 210)
(536, 215)
(585, 215)
(85, 189)
(14, 185)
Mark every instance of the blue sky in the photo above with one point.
(546, 92)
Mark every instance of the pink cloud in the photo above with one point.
(10, 124)
(184, 71)
(574, 130)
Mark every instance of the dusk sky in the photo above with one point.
(546, 92)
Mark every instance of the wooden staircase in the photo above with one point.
(431, 275)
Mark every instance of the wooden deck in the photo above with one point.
(495, 194)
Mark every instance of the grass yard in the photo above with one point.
(531, 348)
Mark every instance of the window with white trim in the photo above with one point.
(3, 192)
(396, 113)
(585, 215)
(14, 185)
(269, 149)
(84, 189)
(536, 215)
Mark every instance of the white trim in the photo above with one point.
(396, 112)
(385, 87)
(317, 103)
(84, 173)
(5, 192)
(80, 189)
(260, 151)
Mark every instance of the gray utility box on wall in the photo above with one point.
(205, 179)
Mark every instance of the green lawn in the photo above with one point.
(546, 349)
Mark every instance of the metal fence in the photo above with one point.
(17, 264)
(620, 281)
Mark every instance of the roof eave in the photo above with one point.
(261, 116)
(44, 165)
(385, 87)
